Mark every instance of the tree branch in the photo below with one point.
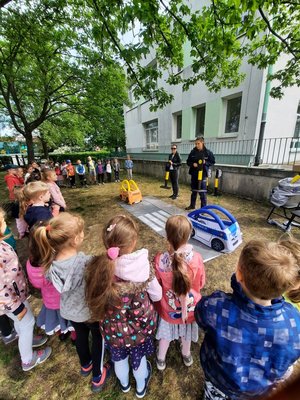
(292, 51)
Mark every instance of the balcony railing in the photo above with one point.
(275, 152)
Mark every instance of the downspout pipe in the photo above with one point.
(263, 117)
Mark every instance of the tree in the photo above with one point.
(220, 35)
(48, 61)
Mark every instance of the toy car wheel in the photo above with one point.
(217, 245)
(193, 233)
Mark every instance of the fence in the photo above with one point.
(275, 152)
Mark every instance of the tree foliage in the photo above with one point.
(220, 35)
(50, 65)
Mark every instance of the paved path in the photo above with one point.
(154, 213)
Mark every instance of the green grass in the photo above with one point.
(59, 377)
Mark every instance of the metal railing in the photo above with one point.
(275, 152)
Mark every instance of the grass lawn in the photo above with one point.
(59, 377)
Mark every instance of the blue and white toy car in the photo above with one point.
(212, 230)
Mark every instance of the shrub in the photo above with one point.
(81, 155)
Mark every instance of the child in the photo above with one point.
(180, 271)
(33, 203)
(59, 174)
(70, 173)
(116, 168)
(49, 317)
(100, 172)
(119, 285)
(80, 171)
(91, 169)
(8, 334)
(65, 267)
(14, 304)
(64, 173)
(28, 172)
(128, 167)
(108, 171)
(58, 201)
(252, 336)
(293, 294)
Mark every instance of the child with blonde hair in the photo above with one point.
(180, 271)
(14, 304)
(58, 202)
(252, 336)
(33, 201)
(49, 317)
(59, 242)
(119, 286)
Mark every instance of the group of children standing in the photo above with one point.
(252, 336)
(123, 301)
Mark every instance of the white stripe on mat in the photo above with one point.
(164, 213)
(149, 223)
(159, 216)
(155, 220)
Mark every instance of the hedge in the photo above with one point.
(79, 156)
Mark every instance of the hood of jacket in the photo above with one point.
(134, 267)
(66, 274)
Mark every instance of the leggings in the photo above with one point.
(140, 375)
(24, 329)
(83, 329)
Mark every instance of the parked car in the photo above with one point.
(212, 229)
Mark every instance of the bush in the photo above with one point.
(74, 156)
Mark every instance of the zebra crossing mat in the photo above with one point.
(154, 213)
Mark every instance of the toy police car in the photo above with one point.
(213, 230)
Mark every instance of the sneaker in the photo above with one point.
(187, 360)
(64, 336)
(107, 369)
(142, 394)
(171, 197)
(161, 364)
(39, 340)
(125, 389)
(174, 197)
(87, 369)
(10, 338)
(38, 358)
(190, 208)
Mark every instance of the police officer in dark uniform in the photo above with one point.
(200, 158)
(174, 164)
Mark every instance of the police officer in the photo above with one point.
(200, 158)
(174, 164)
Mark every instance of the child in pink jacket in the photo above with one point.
(180, 271)
(14, 304)
(49, 317)
(58, 201)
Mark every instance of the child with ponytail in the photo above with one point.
(119, 286)
(49, 317)
(64, 267)
(58, 202)
(33, 203)
(180, 271)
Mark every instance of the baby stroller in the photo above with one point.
(285, 200)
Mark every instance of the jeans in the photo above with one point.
(24, 329)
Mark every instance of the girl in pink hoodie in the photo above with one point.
(49, 317)
(58, 202)
(180, 271)
(119, 288)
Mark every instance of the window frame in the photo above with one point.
(226, 101)
(196, 109)
(148, 129)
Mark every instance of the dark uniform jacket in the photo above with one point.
(196, 155)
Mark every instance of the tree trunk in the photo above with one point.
(30, 148)
(45, 147)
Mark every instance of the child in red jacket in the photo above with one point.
(180, 271)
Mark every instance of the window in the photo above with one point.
(233, 113)
(178, 126)
(151, 131)
(200, 121)
(297, 126)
